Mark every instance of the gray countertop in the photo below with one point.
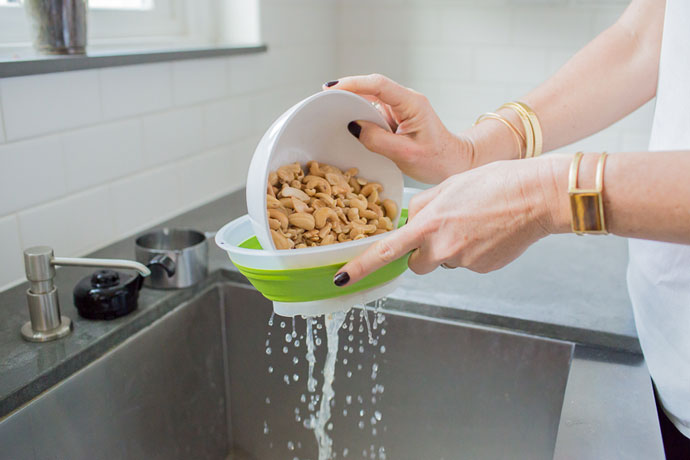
(564, 287)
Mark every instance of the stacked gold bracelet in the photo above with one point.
(587, 205)
(532, 140)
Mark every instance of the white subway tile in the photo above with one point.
(32, 172)
(101, 153)
(72, 226)
(171, 135)
(12, 267)
(634, 141)
(248, 73)
(551, 27)
(389, 60)
(40, 104)
(606, 17)
(556, 59)
(2, 124)
(199, 80)
(144, 199)
(228, 120)
(211, 174)
(467, 25)
(137, 89)
(450, 63)
(509, 64)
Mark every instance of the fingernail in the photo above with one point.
(328, 84)
(341, 279)
(354, 128)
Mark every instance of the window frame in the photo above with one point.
(171, 23)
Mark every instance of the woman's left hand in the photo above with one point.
(481, 219)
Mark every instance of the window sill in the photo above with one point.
(51, 64)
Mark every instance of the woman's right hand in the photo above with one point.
(420, 144)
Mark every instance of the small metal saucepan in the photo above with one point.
(177, 258)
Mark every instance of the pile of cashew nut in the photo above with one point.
(324, 205)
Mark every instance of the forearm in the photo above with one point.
(646, 195)
(609, 78)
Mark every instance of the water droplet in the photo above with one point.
(345, 412)
(383, 332)
(361, 425)
(296, 343)
(285, 350)
(290, 445)
(282, 324)
(383, 348)
(361, 412)
(359, 367)
(303, 398)
(286, 379)
(348, 399)
(295, 377)
(345, 362)
(377, 414)
(349, 374)
(349, 338)
(268, 350)
(317, 342)
(345, 452)
(361, 349)
(270, 320)
(266, 430)
(295, 360)
(288, 338)
(270, 369)
(268, 400)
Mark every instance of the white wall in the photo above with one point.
(89, 157)
(470, 56)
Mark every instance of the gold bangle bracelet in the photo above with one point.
(536, 128)
(527, 125)
(587, 205)
(519, 138)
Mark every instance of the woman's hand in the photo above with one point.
(420, 145)
(480, 219)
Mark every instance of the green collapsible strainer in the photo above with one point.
(300, 281)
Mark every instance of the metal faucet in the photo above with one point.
(44, 307)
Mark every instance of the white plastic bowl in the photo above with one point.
(316, 129)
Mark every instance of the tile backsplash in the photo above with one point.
(89, 157)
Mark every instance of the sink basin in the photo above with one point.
(450, 391)
(195, 384)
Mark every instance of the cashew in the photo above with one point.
(376, 208)
(318, 183)
(370, 187)
(272, 202)
(322, 215)
(324, 206)
(280, 216)
(373, 197)
(391, 208)
(314, 169)
(273, 178)
(302, 220)
(326, 198)
(368, 214)
(290, 191)
(325, 230)
(281, 241)
(300, 206)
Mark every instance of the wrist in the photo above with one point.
(493, 141)
(552, 174)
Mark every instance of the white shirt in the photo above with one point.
(659, 273)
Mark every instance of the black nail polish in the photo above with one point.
(354, 128)
(341, 279)
(328, 84)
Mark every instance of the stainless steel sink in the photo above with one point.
(195, 384)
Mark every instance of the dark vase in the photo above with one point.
(59, 26)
